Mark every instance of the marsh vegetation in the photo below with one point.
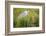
(25, 17)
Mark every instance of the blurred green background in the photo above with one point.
(31, 20)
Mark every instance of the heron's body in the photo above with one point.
(23, 14)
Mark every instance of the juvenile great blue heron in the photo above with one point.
(23, 14)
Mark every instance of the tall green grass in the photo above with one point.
(26, 21)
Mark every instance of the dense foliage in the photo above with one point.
(31, 20)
